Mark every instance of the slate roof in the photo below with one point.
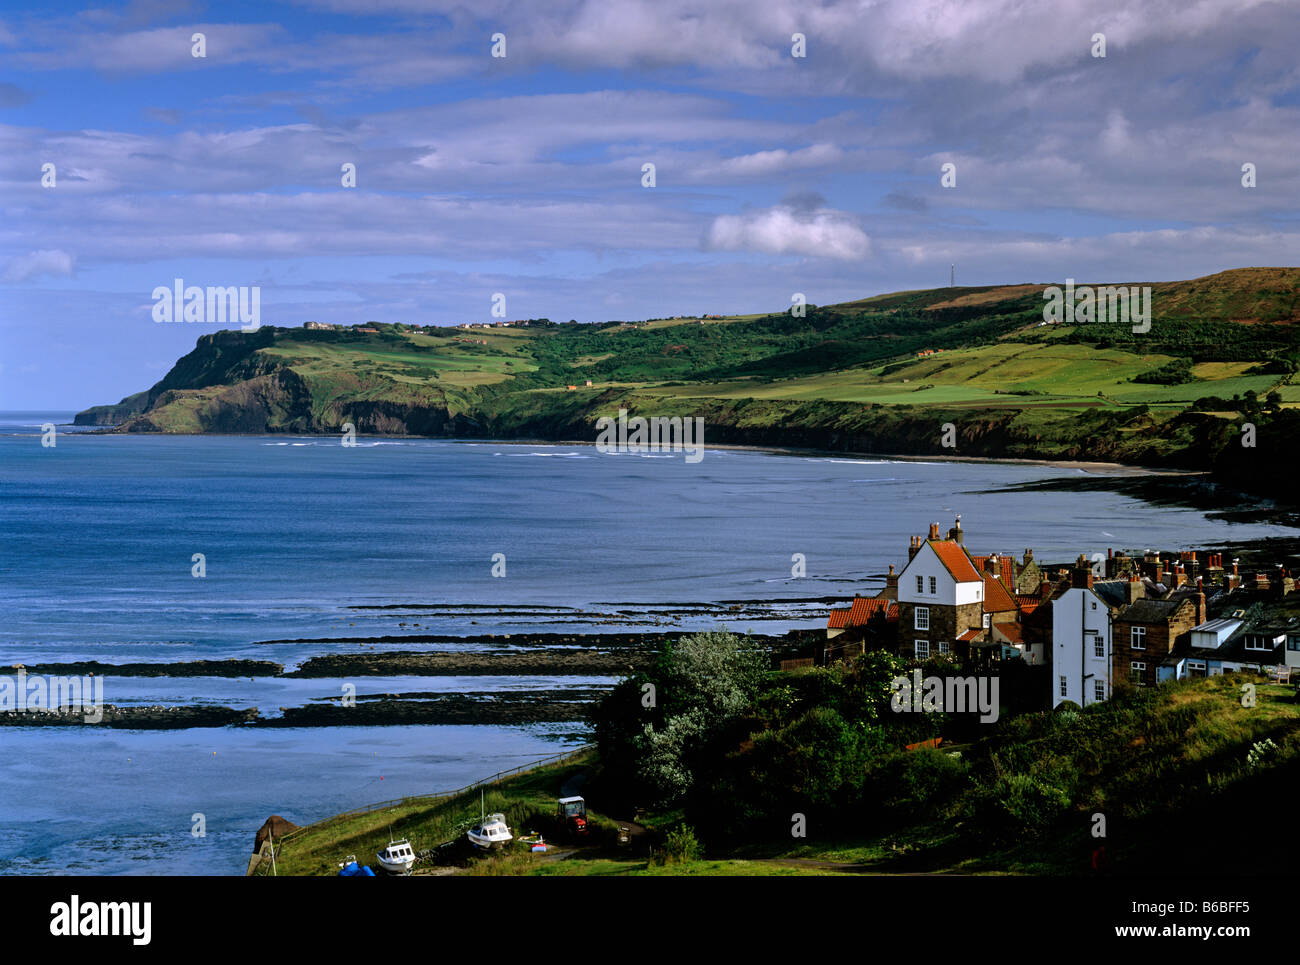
(1150, 611)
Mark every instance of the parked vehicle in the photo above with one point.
(571, 814)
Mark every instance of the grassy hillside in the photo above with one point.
(1178, 772)
(1222, 350)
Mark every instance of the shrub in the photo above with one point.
(1029, 802)
(680, 846)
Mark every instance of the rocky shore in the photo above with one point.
(134, 718)
(542, 662)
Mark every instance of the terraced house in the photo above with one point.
(1136, 619)
(945, 601)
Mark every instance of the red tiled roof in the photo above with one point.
(969, 635)
(955, 560)
(1011, 631)
(863, 610)
(1028, 602)
(996, 597)
(1006, 567)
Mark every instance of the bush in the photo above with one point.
(919, 784)
(1030, 803)
(680, 846)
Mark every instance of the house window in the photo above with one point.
(1098, 646)
(932, 585)
(1099, 690)
(922, 618)
(1259, 641)
(1138, 638)
(1137, 671)
(1293, 643)
(1065, 686)
(1196, 668)
(943, 646)
(988, 620)
(920, 584)
(922, 649)
(1094, 606)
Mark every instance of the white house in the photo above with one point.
(940, 597)
(1081, 644)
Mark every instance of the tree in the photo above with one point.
(654, 729)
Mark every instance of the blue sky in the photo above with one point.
(522, 174)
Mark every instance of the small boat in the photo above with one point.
(397, 858)
(349, 868)
(491, 831)
(536, 843)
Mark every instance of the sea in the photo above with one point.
(305, 539)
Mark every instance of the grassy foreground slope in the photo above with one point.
(1180, 774)
(881, 374)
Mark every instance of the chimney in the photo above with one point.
(1045, 589)
(934, 531)
(1081, 577)
(1136, 588)
(914, 544)
(992, 567)
(1029, 556)
(891, 581)
(1200, 601)
(955, 533)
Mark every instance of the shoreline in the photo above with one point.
(1093, 466)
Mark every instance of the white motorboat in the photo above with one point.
(397, 858)
(490, 833)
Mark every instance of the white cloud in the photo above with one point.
(52, 262)
(785, 229)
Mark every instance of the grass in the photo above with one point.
(526, 799)
(1159, 764)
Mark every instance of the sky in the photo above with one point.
(523, 174)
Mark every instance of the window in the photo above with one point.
(1094, 605)
(1259, 641)
(920, 584)
(1137, 671)
(943, 646)
(1098, 646)
(1293, 643)
(1065, 686)
(932, 586)
(1196, 668)
(1099, 690)
(1138, 638)
(922, 618)
(988, 620)
(922, 649)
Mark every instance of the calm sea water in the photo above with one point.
(97, 536)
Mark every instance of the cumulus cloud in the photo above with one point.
(790, 229)
(51, 262)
